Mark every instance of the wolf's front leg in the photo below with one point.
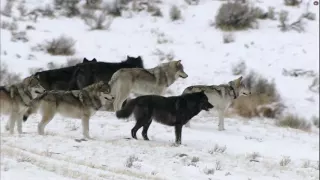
(12, 121)
(19, 123)
(221, 120)
(178, 131)
(85, 126)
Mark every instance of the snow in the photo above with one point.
(207, 60)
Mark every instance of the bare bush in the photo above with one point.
(271, 14)
(264, 99)
(69, 8)
(92, 4)
(48, 11)
(34, 70)
(97, 22)
(284, 26)
(239, 68)
(7, 10)
(285, 161)
(228, 37)
(218, 166)
(306, 164)
(175, 13)
(60, 46)
(154, 10)
(114, 8)
(209, 171)
(315, 121)
(73, 61)
(217, 149)
(292, 2)
(19, 36)
(254, 156)
(22, 9)
(13, 26)
(192, 2)
(293, 121)
(260, 14)
(131, 160)
(6, 77)
(164, 56)
(235, 16)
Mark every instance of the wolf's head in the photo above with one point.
(85, 60)
(103, 91)
(177, 69)
(32, 84)
(239, 87)
(204, 101)
(134, 62)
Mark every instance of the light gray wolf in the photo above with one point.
(171, 111)
(144, 81)
(221, 96)
(76, 104)
(15, 100)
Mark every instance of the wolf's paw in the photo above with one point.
(221, 129)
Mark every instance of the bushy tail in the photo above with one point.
(33, 107)
(127, 110)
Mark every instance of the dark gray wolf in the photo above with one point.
(77, 104)
(15, 100)
(172, 111)
(59, 79)
(221, 96)
(144, 81)
(87, 74)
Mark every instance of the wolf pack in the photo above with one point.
(78, 91)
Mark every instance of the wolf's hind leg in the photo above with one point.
(47, 116)
(19, 123)
(221, 120)
(145, 130)
(11, 122)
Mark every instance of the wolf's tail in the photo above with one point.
(126, 110)
(33, 107)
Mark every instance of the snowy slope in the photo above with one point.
(207, 61)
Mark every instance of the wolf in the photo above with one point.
(221, 96)
(15, 100)
(172, 111)
(77, 104)
(59, 79)
(87, 74)
(144, 81)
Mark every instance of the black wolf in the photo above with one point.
(59, 79)
(172, 111)
(87, 74)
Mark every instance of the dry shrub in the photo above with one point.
(175, 13)
(292, 2)
(264, 100)
(6, 77)
(69, 7)
(228, 38)
(11, 26)
(315, 121)
(235, 16)
(60, 46)
(239, 68)
(284, 26)
(97, 21)
(7, 9)
(293, 121)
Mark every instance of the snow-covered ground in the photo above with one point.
(207, 60)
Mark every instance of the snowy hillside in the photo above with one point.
(248, 149)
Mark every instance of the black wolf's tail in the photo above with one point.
(126, 110)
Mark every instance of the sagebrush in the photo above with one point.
(235, 16)
(175, 13)
(293, 121)
(7, 77)
(62, 45)
(264, 100)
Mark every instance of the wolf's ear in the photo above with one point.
(94, 60)
(238, 81)
(85, 60)
(178, 63)
(128, 57)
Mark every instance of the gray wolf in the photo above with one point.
(77, 104)
(221, 96)
(59, 79)
(86, 74)
(144, 81)
(172, 111)
(15, 100)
